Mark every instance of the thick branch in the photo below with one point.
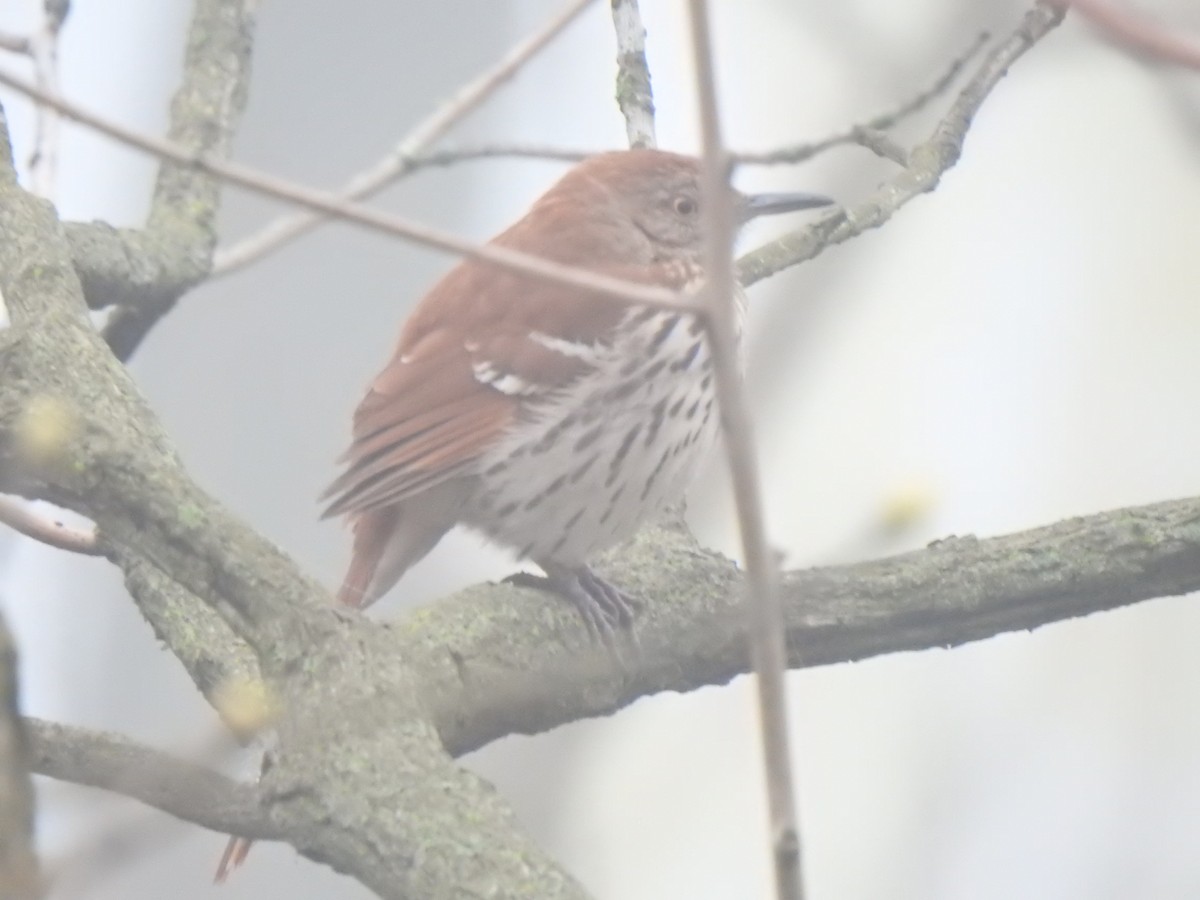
(495, 660)
(145, 271)
(634, 94)
(201, 640)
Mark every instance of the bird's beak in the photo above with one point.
(755, 205)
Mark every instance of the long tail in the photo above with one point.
(235, 854)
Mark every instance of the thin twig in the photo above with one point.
(1138, 33)
(800, 152)
(449, 156)
(763, 608)
(400, 161)
(43, 50)
(332, 206)
(19, 516)
(927, 161)
(635, 96)
(881, 144)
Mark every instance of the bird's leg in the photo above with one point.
(605, 608)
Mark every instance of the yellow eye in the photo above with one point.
(685, 206)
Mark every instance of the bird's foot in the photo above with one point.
(605, 609)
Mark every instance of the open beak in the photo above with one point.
(755, 205)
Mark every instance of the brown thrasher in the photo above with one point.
(551, 420)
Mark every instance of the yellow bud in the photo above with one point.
(245, 705)
(44, 429)
(907, 503)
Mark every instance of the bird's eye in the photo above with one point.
(685, 206)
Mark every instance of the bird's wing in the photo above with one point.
(481, 346)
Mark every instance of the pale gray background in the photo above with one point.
(1019, 347)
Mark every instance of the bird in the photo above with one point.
(550, 419)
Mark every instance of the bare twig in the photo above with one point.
(927, 161)
(853, 135)
(43, 50)
(333, 207)
(19, 516)
(635, 96)
(401, 160)
(450, 156)
(1146, 38)
(763, 608)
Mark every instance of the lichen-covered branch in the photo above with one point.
(145, 271)
(635, 98)
(215, 658)
(494, 660)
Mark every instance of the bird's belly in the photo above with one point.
(595, 464)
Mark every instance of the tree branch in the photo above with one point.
(182, 789)
(927, 162)
(635, 97)
(144, 272)
(494, 660)
(215, 658)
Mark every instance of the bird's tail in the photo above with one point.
(235, 854)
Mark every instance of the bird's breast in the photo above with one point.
(586, 466)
